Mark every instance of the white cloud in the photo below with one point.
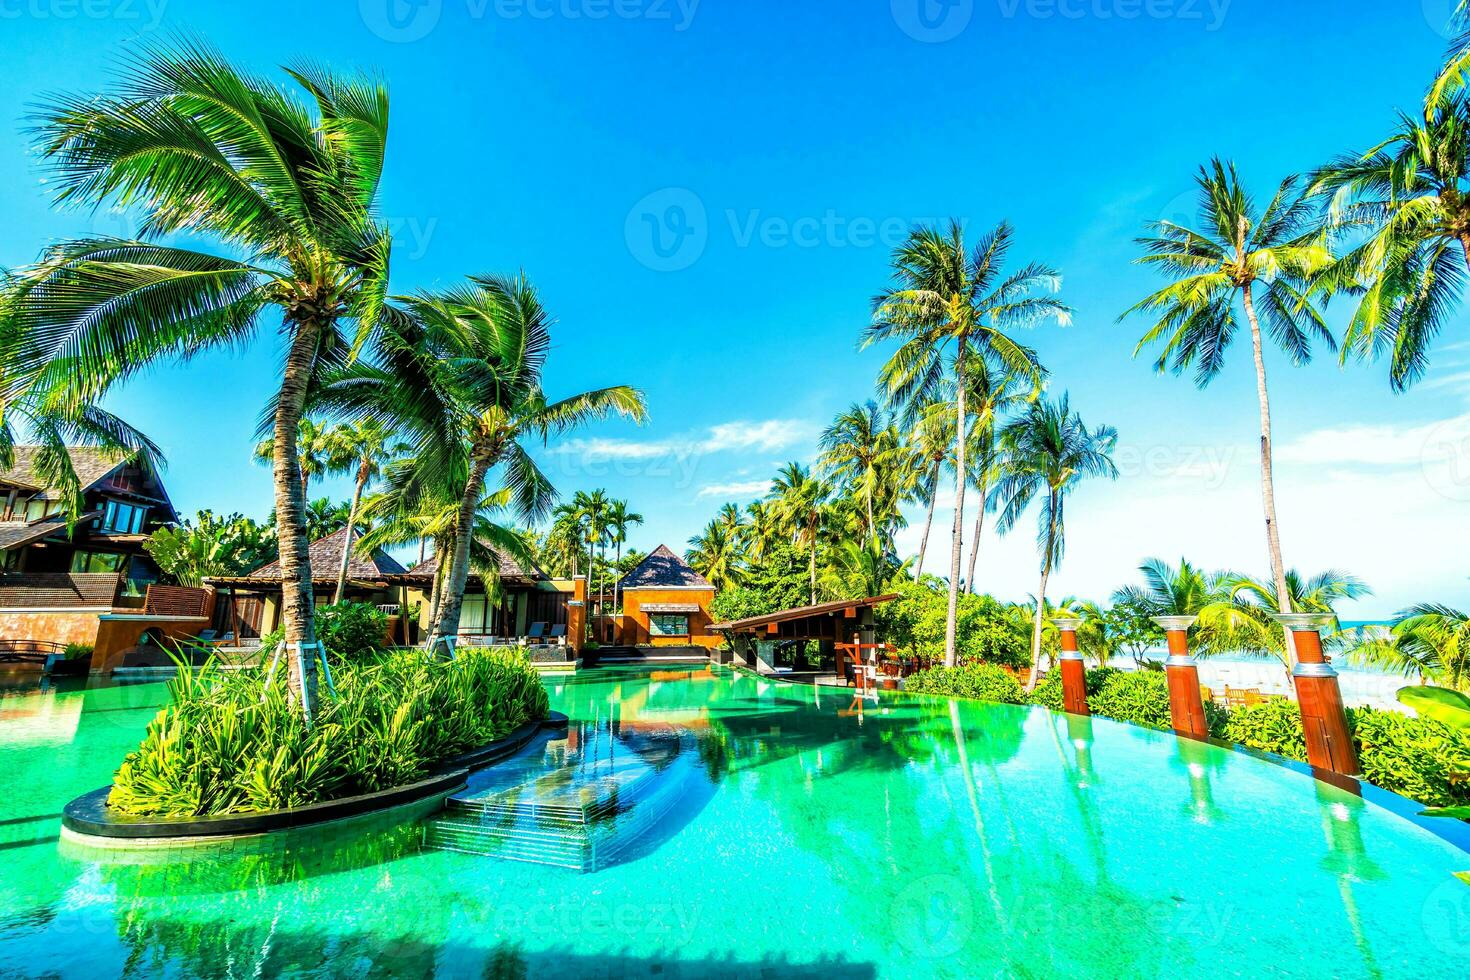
(747, 490)
(768, 435)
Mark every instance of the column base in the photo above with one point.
(1186, 706)
(1074, 686)
(1324, 721)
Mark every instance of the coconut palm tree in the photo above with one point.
(948, 306)
(463, 380)
(858, 449)
(801, 499)
(715, 554)
(994, 395)
(1452, 75)
(861, 568)
(1410, 196)
(619, 520)
(760, 530)
(1241, 256)
(313, 452)
(362, 448)
(1047, 452)
(1182, 590)
(931, 439)
(189, 142)
(564, 539)
(1244, 623)
(1430, 641)
(593, 507)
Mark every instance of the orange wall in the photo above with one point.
(635, 620)
(56, 627)
(116, 636)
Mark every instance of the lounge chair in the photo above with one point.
(537, 633)
(558, 634)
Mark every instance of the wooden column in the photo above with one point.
(1324, 719)
(1074, 671)
(1186, 707)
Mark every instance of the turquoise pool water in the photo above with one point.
(817, 837)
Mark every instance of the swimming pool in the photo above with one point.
(814, 836)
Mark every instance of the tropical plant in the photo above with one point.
(1430, 641)
(861, 569)
(1240, 255)
(1409, 196)
(1245, 621)
(208, 546)
(592, 506)
(858, 450)
(619, 520)
(313, 452)
(1047, 452)
(362, 448)
(715, 553)
(981, 681)
(191, 143)
(994, 395)
(1182, 590)
(1452, 75)
(932, 440)
(801, 499)
(946, 307)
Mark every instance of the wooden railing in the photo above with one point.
(175, 600)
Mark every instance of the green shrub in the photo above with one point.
(986, 682)
(227, 745)
(1271, 726)
(1048, 693)
(350, 631)
(1141, 698)
(1422, 759)
(77, 651)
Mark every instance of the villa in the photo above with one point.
(666, 604)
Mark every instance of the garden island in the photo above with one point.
(451, 705)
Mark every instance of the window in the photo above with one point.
(121, 518)
(96, 561)
(472, 614)
(668, 624)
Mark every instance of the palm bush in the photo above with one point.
(227, 744)
(985, 682)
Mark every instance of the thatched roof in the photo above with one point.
(664, 570)
(509, 569)
(326, 559)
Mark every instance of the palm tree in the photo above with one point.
(994, 396)
(313, 451)
(1430, 640)
(1047, 452)
(1411, 194)
(1242, 254)
(800, 498)
(1182, 590)
(1452, 76)
(593, 507)
(858, 448)
(564, 539)
(1244, 621)
(362, 448)
(946, 307)
(192, 143)
(760, 530)
(619, 520)
(715, 554)
(462, 373)
(932, 441)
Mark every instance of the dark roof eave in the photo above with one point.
(801, 612)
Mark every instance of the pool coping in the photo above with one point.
(87, 819)
(1453, 832)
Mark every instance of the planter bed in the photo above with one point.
(87, 818)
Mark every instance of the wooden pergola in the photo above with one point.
(843, 628)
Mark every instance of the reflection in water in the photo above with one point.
(907, 837)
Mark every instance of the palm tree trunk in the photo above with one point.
(298, 605)
(812, 529)
(928, 523)
(979, 527)
(1037, 624)
(459, 570)
(1268, 484)
(436, 594)
(957, 534)
(362, 478)
(872, 525)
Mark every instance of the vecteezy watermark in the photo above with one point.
(932, 21)
(668, 230)
(147, 13)
(1443, 17)
(404, 21)
(1446, 917)
(412, 235)
(934, 916)
(1444, 458)
(1211, 13)
(1205, 467)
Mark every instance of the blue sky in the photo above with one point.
(778, 150)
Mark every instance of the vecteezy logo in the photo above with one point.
(1443, 17)
(1445, 458)
(932, 21)
(667, 230)
(400, 21)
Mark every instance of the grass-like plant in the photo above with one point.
(227, 744)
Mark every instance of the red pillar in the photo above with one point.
(1074, 671)
(1324, 719)
(1186, 707)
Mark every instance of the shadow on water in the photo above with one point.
(213, 949)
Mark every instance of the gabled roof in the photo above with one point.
(18, 534)
(509, 569)
(664, 570)
(326, 559)
(92, 466)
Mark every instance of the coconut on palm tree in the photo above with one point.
(362, 448)
(1408, 200)
(947, 306)
(283, 182)
(1261, 261)
(1047, 452)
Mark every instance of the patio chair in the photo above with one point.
(537, 633)
(1235, 697)
(558, 634)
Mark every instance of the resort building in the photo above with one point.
(522, 599)
(666, 603)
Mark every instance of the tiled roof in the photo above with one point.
(326, 559)
(91, 465)
(509, 568)
(664, 570)
(27, 590)
(16, 534)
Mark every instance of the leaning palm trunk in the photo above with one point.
(975, 544)
(957, 534)
(1268, 484)
(1037, 624)
(341, 592)
(441, 569)
(928, 524)
(459, 569)
(297, 599)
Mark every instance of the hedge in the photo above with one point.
(986, 682)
